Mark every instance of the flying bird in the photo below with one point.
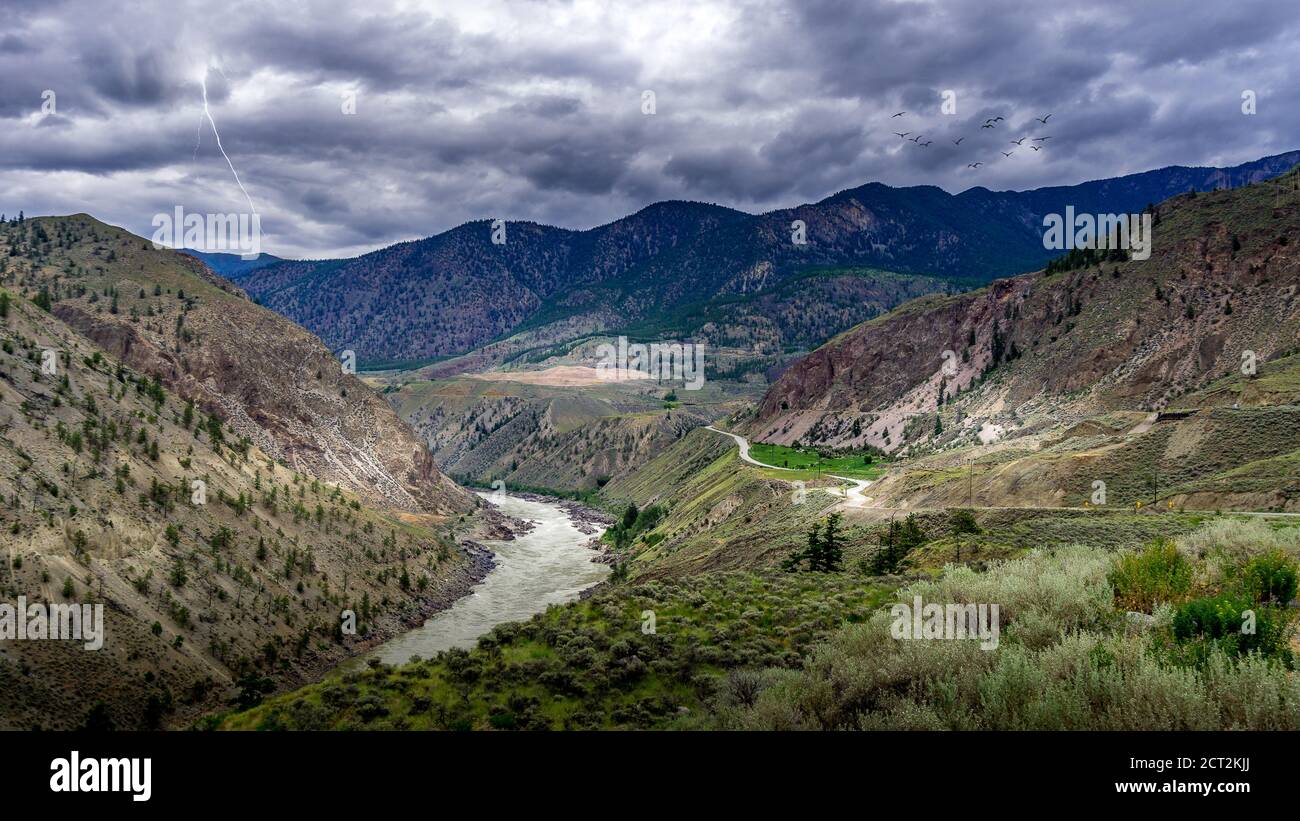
(958, 141)
(1041, 139)
(1036, 147)
(926, 144)
(988, 125)
(917, 138)
(901, 113)
(1020, 141)
(902, 134)
(1007, 153)
(1043, 120)
(974, 164)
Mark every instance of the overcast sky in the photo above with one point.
(534, 110)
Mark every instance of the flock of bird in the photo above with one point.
(991, 122)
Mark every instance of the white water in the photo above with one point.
(548, 565)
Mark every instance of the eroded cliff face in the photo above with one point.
(269, 381)
(1221, 285)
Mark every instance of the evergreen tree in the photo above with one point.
(896, 543)
(831, 553)
(823, 553)
(963, 521)
(883, 562)
(796, 559)
(911, 535)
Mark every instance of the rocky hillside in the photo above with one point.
(270, 381)
(1222, 286)
(202, 469)
(456, 291)
(564, 438)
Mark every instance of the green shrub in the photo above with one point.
(1239, 539)
(1159, 573)
(1269, 579)
(1234, 624)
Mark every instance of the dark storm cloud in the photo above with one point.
(132, 79)
(533, 110)
(14, 44)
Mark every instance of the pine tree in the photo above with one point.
(796, 559)
(883, 562)
(910, 535)
(894, 547)
(963, 521)
(831, 552)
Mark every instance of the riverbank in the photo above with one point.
(586, 518)
(546, 551)
(550, 560)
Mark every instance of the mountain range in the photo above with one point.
(659, 269)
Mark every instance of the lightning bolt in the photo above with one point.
(203, 82)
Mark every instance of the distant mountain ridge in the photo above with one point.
(229, 265)
(455, 291)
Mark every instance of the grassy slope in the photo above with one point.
(786, 651)
(1219, 458)
(591, 665)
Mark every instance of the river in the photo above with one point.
(549, 564)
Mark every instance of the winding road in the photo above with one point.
(852, 495)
